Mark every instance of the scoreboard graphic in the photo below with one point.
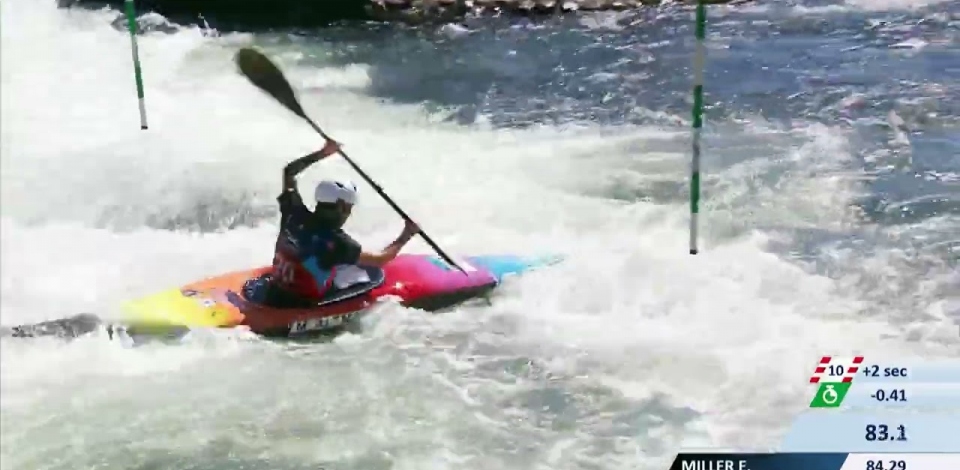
(864, 415)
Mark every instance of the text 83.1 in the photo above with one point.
(882, 432)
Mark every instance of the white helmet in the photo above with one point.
(331, 191)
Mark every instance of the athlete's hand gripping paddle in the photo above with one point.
(265, 75)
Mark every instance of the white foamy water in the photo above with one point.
(613, 360)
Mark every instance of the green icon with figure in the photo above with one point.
(830, 395)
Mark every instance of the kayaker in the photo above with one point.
(313, 254)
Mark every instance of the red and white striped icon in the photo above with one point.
(836, 369)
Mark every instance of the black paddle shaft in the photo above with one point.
(265, 75)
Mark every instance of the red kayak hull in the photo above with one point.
(414, 280)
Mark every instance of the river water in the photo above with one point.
(831, 225)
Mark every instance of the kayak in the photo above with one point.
(418, 281)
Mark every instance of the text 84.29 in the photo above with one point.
(882, 432)
(886, 465)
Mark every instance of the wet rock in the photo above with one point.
(70, 327)
(147, 23)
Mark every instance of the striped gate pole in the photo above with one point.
(699, 59)
(132, 26)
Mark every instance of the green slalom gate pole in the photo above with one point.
(132, 26)
(699, 59)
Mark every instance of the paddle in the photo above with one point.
(263, 73)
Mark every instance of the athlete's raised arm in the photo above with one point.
(297, 166)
